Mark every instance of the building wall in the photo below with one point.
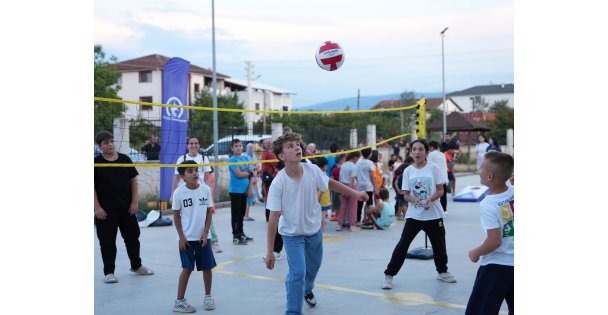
(132, 89)
(465, 102)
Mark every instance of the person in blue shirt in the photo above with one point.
(239, 189)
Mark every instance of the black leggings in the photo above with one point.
(436, 233)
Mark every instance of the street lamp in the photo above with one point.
(445, 126)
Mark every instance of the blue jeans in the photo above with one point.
(304, 256)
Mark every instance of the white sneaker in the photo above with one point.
(183, 307)
(209, 303)
(143, 270)
(446, 277)
(388, 282)
(110, 278)
(277, 256)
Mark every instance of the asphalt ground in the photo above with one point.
(349, 281)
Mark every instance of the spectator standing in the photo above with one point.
(481, 149)
(494, 146)
(239, 189)
(115, 206)
(151, 149)
(439, 159)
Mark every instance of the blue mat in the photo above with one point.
(471, 194)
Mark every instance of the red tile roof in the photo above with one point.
(431, 103)
(457, 122)
(387, 104)
(155, 62)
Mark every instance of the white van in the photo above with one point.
(225, 144)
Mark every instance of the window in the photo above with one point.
(145, 99)
(285, 108)
(197, 88)
(145, 76)
(257, 106)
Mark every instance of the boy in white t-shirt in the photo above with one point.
(293, 197)
(192, 204)
(495, 277)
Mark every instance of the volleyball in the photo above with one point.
(330, 56)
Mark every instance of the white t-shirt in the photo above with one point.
(423, 183)
(348, 170)
(193, 204)
(364, 180)
(496, 211)
(438, 158)
(481, 149)
(199, 159)
(297, 200)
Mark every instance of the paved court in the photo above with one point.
(349, 281)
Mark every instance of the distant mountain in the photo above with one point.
(365, 102)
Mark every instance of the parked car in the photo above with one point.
(225, 144)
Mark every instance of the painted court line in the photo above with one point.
(401, 298)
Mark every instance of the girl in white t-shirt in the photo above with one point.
(422, 186)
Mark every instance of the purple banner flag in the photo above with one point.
(174, 123)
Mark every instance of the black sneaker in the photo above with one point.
(239, 241)
(309, 298)
(249, 239)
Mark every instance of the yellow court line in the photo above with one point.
(413, 298)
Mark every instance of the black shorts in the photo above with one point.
(451, 176)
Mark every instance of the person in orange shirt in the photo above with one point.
(449, 159)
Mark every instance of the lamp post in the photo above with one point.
(445, 126)
(214, 96)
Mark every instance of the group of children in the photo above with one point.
(295, 201)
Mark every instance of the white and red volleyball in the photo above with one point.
(330, 56)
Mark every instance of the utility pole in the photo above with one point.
(214, 95)
(445, 123)
(249, 116)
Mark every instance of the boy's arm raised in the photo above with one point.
(345, 190)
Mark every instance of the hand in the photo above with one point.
(269, 259)
(133, 208)
(203, 239)
(183, 244)
(250, 193)
(362, 196)
(427, 204)
(415, 202)
(100, 213)
(474, 258)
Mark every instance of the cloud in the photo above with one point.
(112, 33)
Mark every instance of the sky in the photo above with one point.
(389, 45)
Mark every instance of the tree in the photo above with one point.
(407, 118)
(105, 82)
(504, 120)
(480, 104)
(201, 122)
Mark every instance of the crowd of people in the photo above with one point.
(301, 193)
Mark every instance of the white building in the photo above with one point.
(141, 80)
(466, 99)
